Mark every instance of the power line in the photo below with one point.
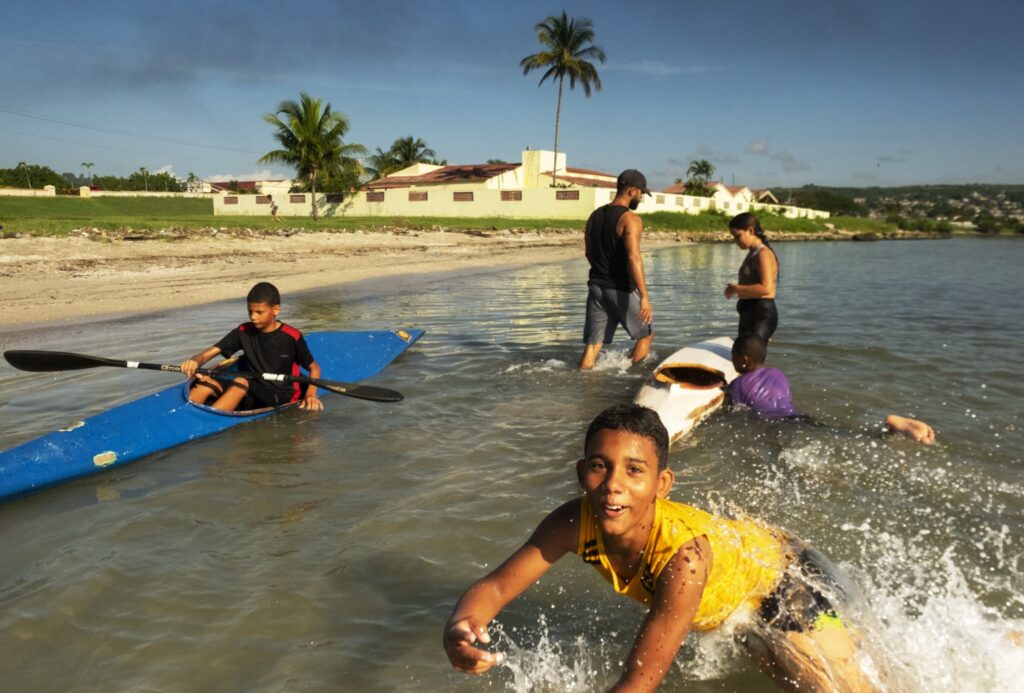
(107, 148)
(121, 133)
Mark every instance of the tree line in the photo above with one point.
(37, 177)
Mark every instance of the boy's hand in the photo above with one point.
(730, 291)
(459, 637)
(311, 403)
(189, 367)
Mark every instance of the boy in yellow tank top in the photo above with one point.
(693, 570)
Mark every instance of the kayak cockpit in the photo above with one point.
(691, 376)
(242, 413)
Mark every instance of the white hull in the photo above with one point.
(687, 386)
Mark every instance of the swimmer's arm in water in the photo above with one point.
(555, 536)
(914, 429)
(676, 600)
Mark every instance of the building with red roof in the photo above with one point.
(541, 186)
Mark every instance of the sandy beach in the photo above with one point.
(94, 274)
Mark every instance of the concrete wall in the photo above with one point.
(47, 191)
(84, 191)
(541, 203)
(538, 203)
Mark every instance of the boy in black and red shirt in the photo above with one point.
(270, 346)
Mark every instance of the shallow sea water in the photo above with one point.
(324, 551)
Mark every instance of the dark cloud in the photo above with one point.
(714, 156)
(789, 163)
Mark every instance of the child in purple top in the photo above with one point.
(766, 390)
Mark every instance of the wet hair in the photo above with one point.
(635, 419)
(746, 220)
(752, 346)
(264, 292)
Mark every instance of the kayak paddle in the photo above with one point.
(45, 361)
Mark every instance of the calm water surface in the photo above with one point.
(314, 552)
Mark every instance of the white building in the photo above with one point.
(519, 191)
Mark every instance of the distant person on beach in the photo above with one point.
(766, 391)
(273, 209)
(268, 346)
(692, 569)
(758, 278)
(617, 287)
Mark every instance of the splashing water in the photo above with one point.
(546, 366)
(614, 361)
(549, 665)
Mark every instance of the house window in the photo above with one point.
(296, 198)
(567, 194)
(725, 205)
(231, 200)
(375, 196)
(420, 196)
(660, 199)
(462, 197)
(511, 195)
(263, 199)
(335, 198)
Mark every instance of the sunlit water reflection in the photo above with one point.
(324, 551)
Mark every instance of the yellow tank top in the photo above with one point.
(747, 558)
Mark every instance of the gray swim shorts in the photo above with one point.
(607, 309)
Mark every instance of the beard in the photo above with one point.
(634, 203)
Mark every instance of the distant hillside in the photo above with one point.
(988, 208)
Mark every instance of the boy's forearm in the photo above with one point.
(481, 602)
(314, 372)
(205, 355)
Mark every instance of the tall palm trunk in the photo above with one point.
(558, 115)
(312, 187)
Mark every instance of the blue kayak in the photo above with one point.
(166, 418)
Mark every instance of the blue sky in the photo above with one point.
(777, 94)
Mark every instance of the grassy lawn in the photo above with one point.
(60, 215)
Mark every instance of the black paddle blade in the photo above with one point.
(369, 392)
(44, 361)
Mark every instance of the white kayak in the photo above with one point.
(687, 386)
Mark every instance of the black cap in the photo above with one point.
(631, 178)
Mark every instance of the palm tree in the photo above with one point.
(701, 170)
(310, 134)
(23, 165)
(566, 55)
(87, 165)
(379, 164)
(407, 151)
(145, 177)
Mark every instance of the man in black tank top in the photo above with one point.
(617, 288)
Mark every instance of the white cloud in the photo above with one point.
(758, 147)
(264, 174)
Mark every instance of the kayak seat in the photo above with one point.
(690, 376)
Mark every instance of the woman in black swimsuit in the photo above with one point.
(758, 278)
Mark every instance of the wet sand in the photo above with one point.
(97, 275)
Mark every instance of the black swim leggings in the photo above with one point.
(757, 316)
